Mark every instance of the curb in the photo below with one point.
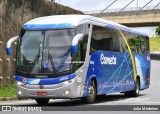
(11, 98)
(8, 98)
(155, 53)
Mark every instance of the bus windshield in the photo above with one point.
(45, 52)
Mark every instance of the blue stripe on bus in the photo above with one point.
(8, 50)
(74, 49)
(47, 26)
(45, 81)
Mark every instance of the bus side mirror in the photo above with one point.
(74, 47)
(9, 45)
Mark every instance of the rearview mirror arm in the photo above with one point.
(9, 44)
(75, 41)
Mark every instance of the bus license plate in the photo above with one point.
(41, 93)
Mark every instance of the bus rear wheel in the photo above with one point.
(42, 102)
(134, 93)
(91, 94)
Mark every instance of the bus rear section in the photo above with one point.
(119, 61)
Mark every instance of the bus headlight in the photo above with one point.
(19, 92)
(66, 92)
(20, 83)
(68, 82)
(65, 83)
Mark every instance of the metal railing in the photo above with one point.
(119, 9)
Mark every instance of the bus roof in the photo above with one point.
(71, 21)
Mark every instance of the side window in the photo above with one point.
(123, 46)
(84, 29)
(128, 36)
(104, 39)
(83, 47)
(143, 45)
(147, 44)
(80, 56)
(139, 44)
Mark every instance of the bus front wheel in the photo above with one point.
(91, 94)
(134, 93)
(42, 102)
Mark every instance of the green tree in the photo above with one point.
(158, 31)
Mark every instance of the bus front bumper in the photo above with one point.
(56, 91)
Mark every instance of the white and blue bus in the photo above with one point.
(79, 56)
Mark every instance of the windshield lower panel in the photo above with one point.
(45, 52)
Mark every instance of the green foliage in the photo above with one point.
(154, 44)
(8, 91)
(138, 44)
(158, 31)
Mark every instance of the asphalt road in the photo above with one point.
(149, 96)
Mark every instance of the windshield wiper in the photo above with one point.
(52, 63)
(34, 61)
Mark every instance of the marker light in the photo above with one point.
(19, 92)
(65, 83)
(20, 83)
(68, 82)
(79, 79)
(66, 92)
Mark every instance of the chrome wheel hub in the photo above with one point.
(91, 92)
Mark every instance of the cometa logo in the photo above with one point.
(108, 60)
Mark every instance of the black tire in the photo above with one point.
(134, 93)
(92, 92)
(127, 94)
(101, 96)
(42, 102)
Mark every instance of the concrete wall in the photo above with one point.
(13, 14)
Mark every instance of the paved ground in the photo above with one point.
(149, 96)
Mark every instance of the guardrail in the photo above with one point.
(119, 9)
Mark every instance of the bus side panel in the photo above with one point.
(143, 69)
(115, 76)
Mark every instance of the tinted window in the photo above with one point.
(80, 56)
(104, 39)
(82, 29)
(138, 44)
(45, 51)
